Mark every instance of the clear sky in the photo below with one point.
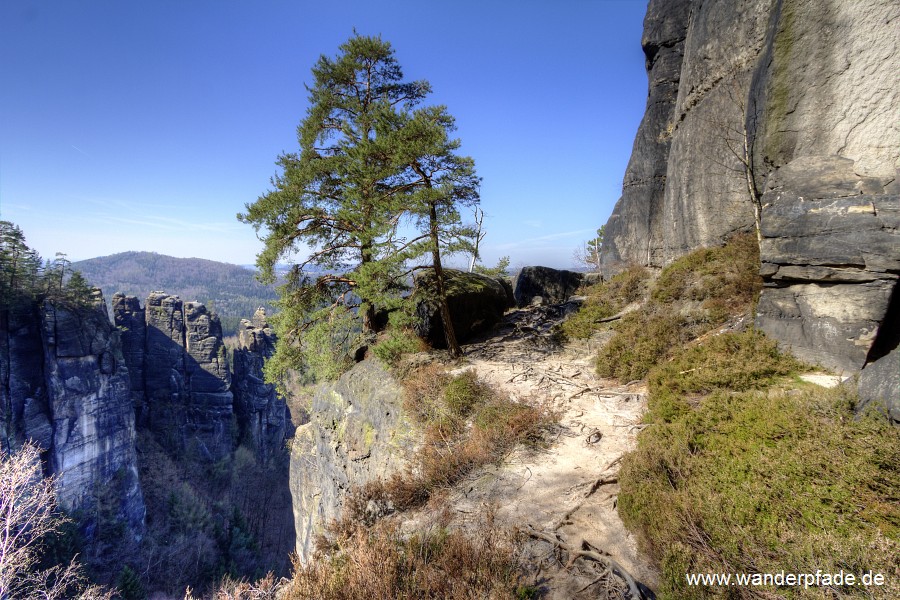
(149, 125)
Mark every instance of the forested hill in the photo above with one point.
(230, 290)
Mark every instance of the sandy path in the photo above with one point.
(557, 490)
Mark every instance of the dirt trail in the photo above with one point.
(570, 489)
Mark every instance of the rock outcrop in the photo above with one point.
(187, 399)
(810, 87)
(131, 321)
(477, 303)
(798, 77)
(356, 433)
(553, 286)
(262, 413)
(66, 388)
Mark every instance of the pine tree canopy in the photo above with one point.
(373, 165)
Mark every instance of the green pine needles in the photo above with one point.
(375, 187)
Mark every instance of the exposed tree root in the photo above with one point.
(637, 590)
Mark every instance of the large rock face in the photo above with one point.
(131, 320)
(185, 394)
(356, 434)
(66, 388)
(811, 87)
(261, 411)
(801, 77)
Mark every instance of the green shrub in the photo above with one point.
(724, 281)
(642, 338)
(760, 482)
(731, 361)
(729, 273)
(605, 300)
(395, 344)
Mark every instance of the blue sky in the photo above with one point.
(149, 125)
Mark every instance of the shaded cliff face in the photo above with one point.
(185, 394)
(66, 388)
(810, 86)
(261, 411)
(356, 434)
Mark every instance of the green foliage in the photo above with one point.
(499, 270)
(129, 585)
(605, 300)
(371, 160)
(20, 266)
(763, 482)
(691, 296)
(24, 278)
(728, 273)
(731, 361)
(589, 255)
(464, 392)
(642, 338)
(396, 343)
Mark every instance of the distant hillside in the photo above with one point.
(230, 290)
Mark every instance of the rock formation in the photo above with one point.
(66, 388)
(553, 286)
(477, 303)
(810, 86)
(262, 413)
(356, 433)
(131, 321)
(186, 383)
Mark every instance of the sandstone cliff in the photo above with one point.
(261, 411)
(357, 433)
(184, 396)
(65, 387)
(810, 86)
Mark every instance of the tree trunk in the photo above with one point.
(449, 334)
(369, 322)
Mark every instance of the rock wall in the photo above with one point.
(261, 411)
(811, 86)
(356, 434)
(66, 388)
(185, 393)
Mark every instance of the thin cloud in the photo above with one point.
(544, 238)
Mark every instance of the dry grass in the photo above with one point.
(466, 424)
(359, 562)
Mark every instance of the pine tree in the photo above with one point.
(444, 182)
(367, 165)
(20, 266)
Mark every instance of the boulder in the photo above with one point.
(477, 303)
(554, 286)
